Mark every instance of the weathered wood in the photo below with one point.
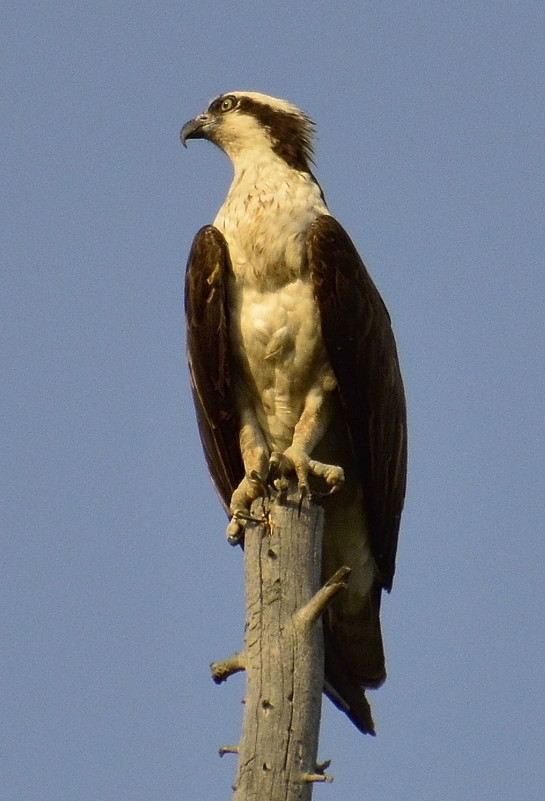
(283, 653)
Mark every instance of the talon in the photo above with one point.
(277, 480)
(302, 482)
(265, 490)
(331, 491)
(276, 468)
(302, 496)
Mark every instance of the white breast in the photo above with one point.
(264, 219)
(279, 334)
(275, 325)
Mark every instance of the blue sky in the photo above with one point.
(117, 586)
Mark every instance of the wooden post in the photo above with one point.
(283, 653)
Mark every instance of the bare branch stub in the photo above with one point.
(228, 749)
(312, 778)
(222, 670)
(322, 598)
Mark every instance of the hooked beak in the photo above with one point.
(195, 129)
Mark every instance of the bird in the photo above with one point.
(294, 371)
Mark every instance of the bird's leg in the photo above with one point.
(255, 456)
(296, 458)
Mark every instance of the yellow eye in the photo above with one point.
(228, 103)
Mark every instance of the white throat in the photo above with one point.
(266, 214)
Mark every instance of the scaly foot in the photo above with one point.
(250, 488)
(295, 460)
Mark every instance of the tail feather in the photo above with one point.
(354, 657)
(357, 635)
(346, 693)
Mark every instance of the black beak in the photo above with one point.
(194, 129)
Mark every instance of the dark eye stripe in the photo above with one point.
(290, 132)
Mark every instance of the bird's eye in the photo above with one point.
(228, 103)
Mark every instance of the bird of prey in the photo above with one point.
(294, 370)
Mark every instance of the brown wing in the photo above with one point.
(207, 321)
(361, 347)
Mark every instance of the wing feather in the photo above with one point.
(207, 329)
(361, 347)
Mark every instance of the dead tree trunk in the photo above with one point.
(283, 653)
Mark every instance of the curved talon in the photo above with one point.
(303, 494)
(263, 484)
(274, 467)
(279, 467)
(331, 491)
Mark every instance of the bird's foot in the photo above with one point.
(295, 460)
(251, 487)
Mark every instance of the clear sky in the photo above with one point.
(117, 585)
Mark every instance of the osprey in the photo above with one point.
(294, 370)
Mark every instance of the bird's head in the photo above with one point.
(241, 123)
